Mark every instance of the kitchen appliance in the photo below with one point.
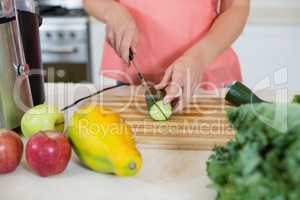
(65, 41)
(15, 93)
(29, 21)
(67, 4)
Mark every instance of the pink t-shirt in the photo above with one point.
(167, 29)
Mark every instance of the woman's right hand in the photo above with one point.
(121, 31)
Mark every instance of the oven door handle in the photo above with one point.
(64, 50)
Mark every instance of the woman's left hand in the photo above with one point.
(181, 80)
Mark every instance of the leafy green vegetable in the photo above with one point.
(263, 160)
(296, 99)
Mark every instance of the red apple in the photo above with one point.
(48, 153)
(11, 150)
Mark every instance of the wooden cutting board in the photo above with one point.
(202, 125)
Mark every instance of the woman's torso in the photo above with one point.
(167, 29)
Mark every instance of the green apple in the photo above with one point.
(42, 118)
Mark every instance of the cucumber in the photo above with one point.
(160, 111)
(157, 110)
(239, 94)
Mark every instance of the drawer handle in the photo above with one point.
(65, 50)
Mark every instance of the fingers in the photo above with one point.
(129, 40)
(135, 40)
(173, 91)
(110, 37)
(119, 36)
(124, 49)
(122, 38)
(175, 87)
(179, 89)
(183, 100)
(165, 80)
(179, 106)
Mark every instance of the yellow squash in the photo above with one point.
(103, 142)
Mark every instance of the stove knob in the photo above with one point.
(72, 35)
(48, 35)
(60, 35)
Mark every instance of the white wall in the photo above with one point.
(270, 43)
(97, 34)
(264, 50)
(275, 3)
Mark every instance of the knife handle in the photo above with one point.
(131, 55)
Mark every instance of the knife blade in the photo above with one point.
(139, 74)
(143, 81)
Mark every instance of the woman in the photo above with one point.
(178, 44)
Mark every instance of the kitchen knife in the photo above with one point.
(145, 84)
(139, 74)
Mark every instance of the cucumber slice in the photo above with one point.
(157, 109)
(239, 94)
(160, 111)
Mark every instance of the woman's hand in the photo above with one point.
(121, 31)
(181, 80)
(185, 74)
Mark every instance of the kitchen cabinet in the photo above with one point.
(270, 53)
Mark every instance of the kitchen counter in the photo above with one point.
(166, 174)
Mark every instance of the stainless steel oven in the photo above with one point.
(69, 4)
(65, 41)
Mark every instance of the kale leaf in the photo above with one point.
(262, 162)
